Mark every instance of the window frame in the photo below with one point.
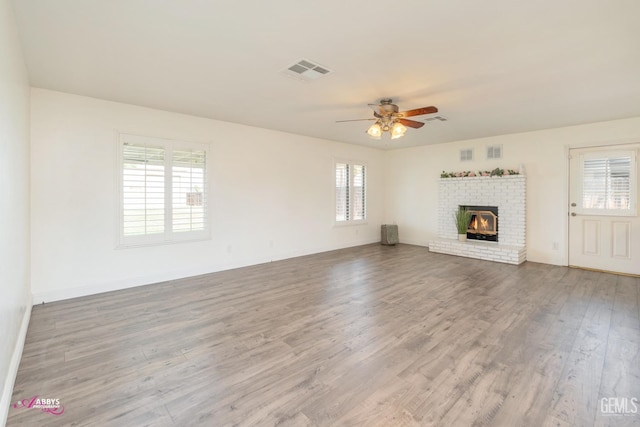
(633, 179)
(167, 236)
(350, 165)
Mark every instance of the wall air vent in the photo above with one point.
(306, 71)
(466, 155)
(494, 152)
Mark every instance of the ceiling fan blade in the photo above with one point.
(418, 112)
(354, 120)
(411, 123)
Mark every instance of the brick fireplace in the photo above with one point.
(506, 194)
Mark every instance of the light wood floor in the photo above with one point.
(368, 336)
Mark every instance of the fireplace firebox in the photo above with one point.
(483, 224)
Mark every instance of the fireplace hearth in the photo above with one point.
(483, 224)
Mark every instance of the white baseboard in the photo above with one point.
(99, 288)
(414, 242)
(7, 391)
(132, 282)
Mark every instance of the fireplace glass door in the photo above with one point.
(483, 224)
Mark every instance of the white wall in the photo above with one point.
(412, 176)
(15, 301)
(272, 196)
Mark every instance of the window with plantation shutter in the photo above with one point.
(342, 193)
(143, 189)
(162, 191)
(188, 183)
(358, 201)
(350, 190)
(608, 183)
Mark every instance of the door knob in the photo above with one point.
(573, 204)
(573, 214)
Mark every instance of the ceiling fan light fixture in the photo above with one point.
(375, 131)
(398, 130)
(388, 118)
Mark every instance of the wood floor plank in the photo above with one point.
(576, 396)
(372, 335)
(621, 371)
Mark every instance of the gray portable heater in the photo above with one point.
(389, 234)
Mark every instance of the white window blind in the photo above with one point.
(359, 203)
(188, 179)
(342, 192)
(608, 184)
(350, 190)
(163, 191)
(143, 189)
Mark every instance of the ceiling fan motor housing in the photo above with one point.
(387, 105)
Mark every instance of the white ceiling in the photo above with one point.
(491, 67)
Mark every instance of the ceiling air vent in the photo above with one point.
(439, 118)
(306, 71)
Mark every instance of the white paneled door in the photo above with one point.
(604, 225)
